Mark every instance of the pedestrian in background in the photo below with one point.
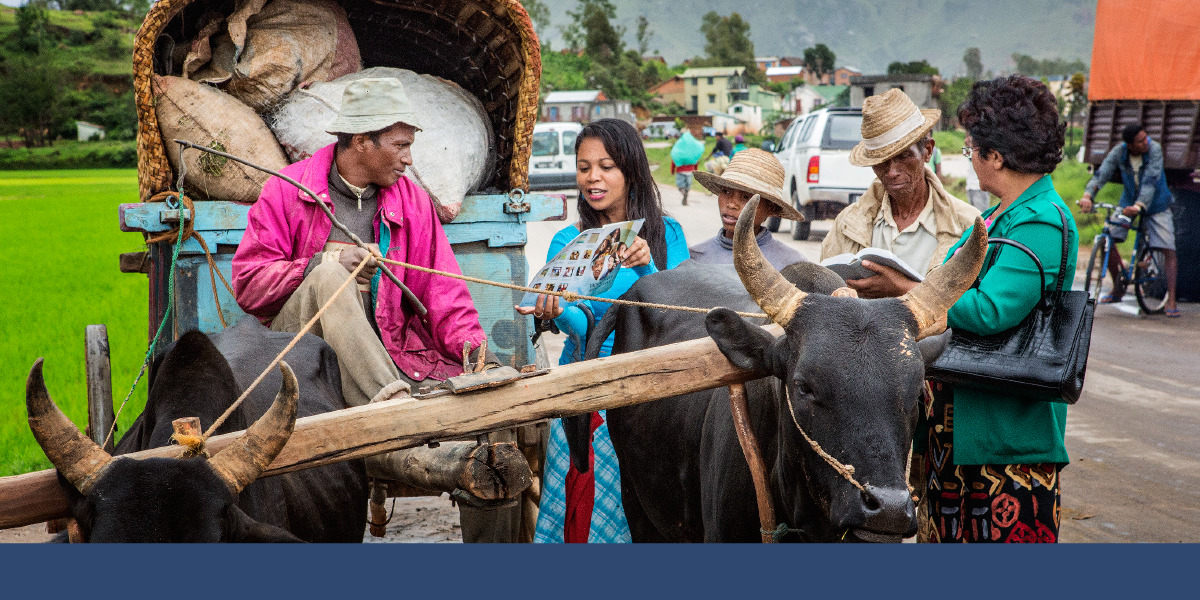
(685, 155)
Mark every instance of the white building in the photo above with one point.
(88, 131)
(583, 106)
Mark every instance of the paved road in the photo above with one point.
(1134, 436)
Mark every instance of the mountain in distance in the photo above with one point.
(868, 34)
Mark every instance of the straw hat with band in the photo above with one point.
(372, 104)
(752, 171)
(891, 123)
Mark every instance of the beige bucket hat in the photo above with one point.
(752, 171)
(891, 122)
(371, 104)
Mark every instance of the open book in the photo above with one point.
(849, 266)
(588, 265)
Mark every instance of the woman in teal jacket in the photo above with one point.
(993, 457)
(615, 184)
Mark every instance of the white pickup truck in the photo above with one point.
(815, 152)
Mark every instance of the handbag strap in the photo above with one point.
(1026, 250)
(1062, 265)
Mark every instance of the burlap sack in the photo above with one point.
(271, 47)
(453, 154)
(199, 113)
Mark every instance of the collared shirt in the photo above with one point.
(914, 244)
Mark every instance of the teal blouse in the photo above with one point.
(996, 426)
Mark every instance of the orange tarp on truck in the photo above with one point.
(1146, 50)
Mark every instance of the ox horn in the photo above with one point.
(241, 463)
(774, 294)
(77, 457)
(930, 300)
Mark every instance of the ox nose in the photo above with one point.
(888, 510)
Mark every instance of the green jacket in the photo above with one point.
(992, 426)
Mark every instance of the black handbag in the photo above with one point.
(1045, 354)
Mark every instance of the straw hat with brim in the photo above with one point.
(891, 122)
(752, 171)
(372, 104)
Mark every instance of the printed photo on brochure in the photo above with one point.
(588, 265)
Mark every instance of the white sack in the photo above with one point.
(453, 153)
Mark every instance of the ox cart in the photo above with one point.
(487, 47)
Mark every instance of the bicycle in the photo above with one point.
(1146, 274)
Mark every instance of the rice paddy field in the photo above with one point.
(58, 274)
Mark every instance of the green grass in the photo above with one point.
(949, 142)
(59, 274)
(72, 155)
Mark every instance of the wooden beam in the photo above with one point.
(491, 472)
(99, 385)
(407, 422)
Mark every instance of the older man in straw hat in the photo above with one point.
(291, 258)
(906, 210)
(750, 172)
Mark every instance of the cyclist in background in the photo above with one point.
(1140, 162)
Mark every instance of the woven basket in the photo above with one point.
(486, 46)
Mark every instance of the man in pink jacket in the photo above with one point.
(291, 259)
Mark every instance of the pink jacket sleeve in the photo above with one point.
(266, 268)
(452, 316)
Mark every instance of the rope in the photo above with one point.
(288, 348)
(568, 296)
(186, 231)
(844, 470)
(153, 340)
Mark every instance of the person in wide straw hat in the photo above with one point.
(750, 172)
(905, 210)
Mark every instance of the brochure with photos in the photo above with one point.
(588, 265)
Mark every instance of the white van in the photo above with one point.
(552, 165)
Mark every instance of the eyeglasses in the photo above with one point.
(966, 151)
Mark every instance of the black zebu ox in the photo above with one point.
(217, 499)
(854, 371)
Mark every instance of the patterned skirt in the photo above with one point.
(984, 503)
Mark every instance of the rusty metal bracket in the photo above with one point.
(516, 203)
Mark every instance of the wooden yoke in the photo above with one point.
(583, 387)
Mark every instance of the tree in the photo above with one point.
(1076, 102)
(602, 41)
(819, 60)
(539, 14)
(575, 33)
(955, 94)
(727, 43)
(974, 63)
(33, 25)
(916, 67)
(644, 34)
(31, 91)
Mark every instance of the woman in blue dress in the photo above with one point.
(613, 176)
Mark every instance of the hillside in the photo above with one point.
(63, 66)
(869, 34)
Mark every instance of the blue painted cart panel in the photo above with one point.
(488, 238)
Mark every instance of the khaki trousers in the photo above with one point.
(367, 368)
(368, 373)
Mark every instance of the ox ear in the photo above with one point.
(240, 528)
(747, 346)
(933, 346)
